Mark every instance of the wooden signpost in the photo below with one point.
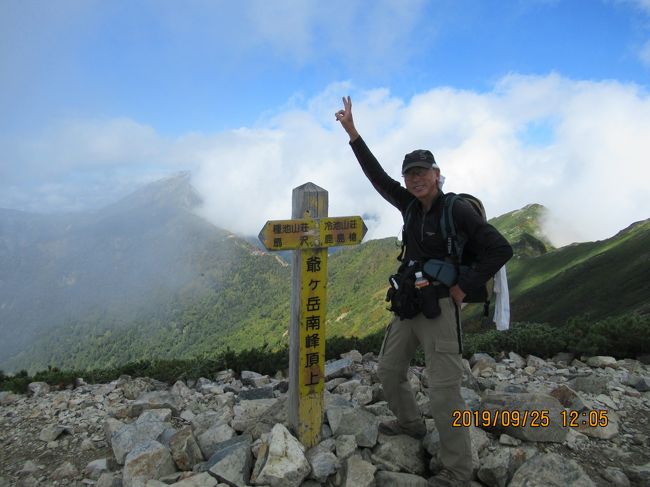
(309, 234)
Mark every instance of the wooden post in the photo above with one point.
(306, 407)
(309, 234)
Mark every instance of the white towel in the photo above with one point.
(501, 300)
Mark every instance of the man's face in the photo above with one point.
(422, 182)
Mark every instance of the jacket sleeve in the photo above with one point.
(391, 190)
(491, 249)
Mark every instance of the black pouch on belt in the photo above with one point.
(429, 300)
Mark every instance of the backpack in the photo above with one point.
(456, 242)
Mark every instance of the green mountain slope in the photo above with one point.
(604, 278)
(226, 293)
(523, 229)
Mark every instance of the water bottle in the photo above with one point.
(420, 280)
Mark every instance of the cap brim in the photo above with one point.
(423, 164)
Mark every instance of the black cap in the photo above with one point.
(419, 158)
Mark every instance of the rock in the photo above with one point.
(498, 467)
(206, 420)
(570, 399)
(149, 460)
(641, 384)
(323, 463)
(358, 422)
(144, 429)
(65, 471)
(282, 461)
(359, 473)
(134, 388)
(538, 363)
(87, 445)
(472, 399)
(111, 425)
(479, 439)
(353, 355)
(399, 479)
(52, 432)
(246, 413)
(181, 392)
(155, 400)
(206, 386)
(495, 469)
(481, 357)
(232, 461)
(96, 468)
(575, 440)
(209, 440)
(257, 393)
(37, 389)
(550, 469)
(225, 375)
(399, 454)
(379, 409)
(184, 449)
(563, 358)
(109, 479)
(591, 384)
(543, 421)
(601, 432)
(253, 379)
(601, 361)
(345, 446)
(339, 368)
(363, 395)
(639, 474)
(29, 467)
(509, 440)
(7, 398)
(616, 477)
(200, 480)
(347, 387)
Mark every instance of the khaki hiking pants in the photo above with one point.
(441, 340)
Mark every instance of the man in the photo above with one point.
(440, 337)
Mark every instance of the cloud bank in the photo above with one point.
(578, 147)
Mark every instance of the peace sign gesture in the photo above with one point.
(345, 117)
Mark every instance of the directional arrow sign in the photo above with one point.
(309, 233)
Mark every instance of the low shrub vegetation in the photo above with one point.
(626, 336)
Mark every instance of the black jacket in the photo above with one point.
(423, 236)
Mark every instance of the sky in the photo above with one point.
(521, 101)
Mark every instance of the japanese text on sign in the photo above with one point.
(312, 333)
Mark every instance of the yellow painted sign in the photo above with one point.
(312, 233)
(290, 234)
(313, 306)
(311, 237)
(343, 230)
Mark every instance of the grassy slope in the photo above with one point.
(602, 278)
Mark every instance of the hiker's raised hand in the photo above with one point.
(345, 117)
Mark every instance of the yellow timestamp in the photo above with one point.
(534, 418)
(593, 418)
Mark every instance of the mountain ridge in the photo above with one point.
(205, 289)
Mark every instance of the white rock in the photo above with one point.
(601, 361)
(284, 463)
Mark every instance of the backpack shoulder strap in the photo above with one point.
(407, 212)
(407, 218)
(447, 226)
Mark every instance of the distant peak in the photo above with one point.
(175, 190)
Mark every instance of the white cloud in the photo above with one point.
(587, 163)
